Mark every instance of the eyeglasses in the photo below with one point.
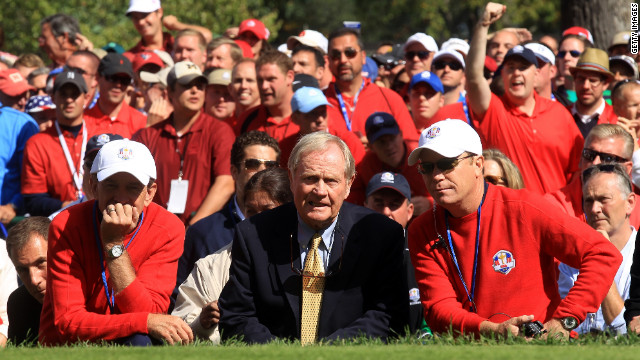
(573, 53)
(330, 273)
(349, 52)
(590, 155)
(453, 65)
(444, 165)
(607, 168)
(122, 80)
(254, 164)
(495, 180)
(422, 55)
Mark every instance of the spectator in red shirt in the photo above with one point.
(275, 80)
(388, 153)
(222, 53)
(256, 34)
(538, 134)
(112, 114)
(218, 101)
(192, 149)
(449, 65)
(190, 45)
(356, 97)
(591, 77)
(418, 53)
(123, 247)
(547, 66)
(86, 63)
(308, 60)
(52, 166)
(244, 89)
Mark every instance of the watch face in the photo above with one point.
(570, 323)
(116, 251)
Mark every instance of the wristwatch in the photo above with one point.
(569, 323)
(115, 252)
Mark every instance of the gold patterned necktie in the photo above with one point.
(312, 289)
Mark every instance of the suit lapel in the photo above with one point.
(285, 250)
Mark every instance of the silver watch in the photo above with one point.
(569, 323)
(115, 252)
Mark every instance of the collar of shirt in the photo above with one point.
(238, 211)
(587, 118)
(305, 233)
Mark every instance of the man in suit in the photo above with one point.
(357, 256)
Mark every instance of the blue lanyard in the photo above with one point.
(343, 106)
(110, 297)
(470, 295)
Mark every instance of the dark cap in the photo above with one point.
(114, 63)
(380, 123)
(304, 80)
(523, 53)
(94, 145)
(70, 77)
(387, 180)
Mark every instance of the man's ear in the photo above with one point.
(151, 192)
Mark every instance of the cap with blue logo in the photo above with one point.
(379, 124)
(387, 180)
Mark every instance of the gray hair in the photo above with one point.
(622, 177)
(61, 24)
(603, 131)
(318, 141)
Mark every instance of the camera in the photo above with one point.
(533, 329)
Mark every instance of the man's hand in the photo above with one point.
(7, 213)
(170, 22)
(492, 13)
(511, 326)
(555, 329)
(634, 325)
(169, 328)
(117, 221)
(210, 315)
(83, 42)
(632, 127)
(158, 111)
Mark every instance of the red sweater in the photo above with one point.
(75, 305)
(522, 224)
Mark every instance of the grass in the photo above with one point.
(445, 347)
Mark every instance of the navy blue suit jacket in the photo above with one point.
(366, 296)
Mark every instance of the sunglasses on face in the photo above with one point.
(444, 165)
(122, 80)
(590, 155)
(573, 53)
(422, 55)
(349, 52)
(453, 65)
(254, 164)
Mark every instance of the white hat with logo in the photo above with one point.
(124, 156)
(449, 138)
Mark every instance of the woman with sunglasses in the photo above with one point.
(197, 302)
(499, 170)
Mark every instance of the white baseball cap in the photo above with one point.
(456, 44)
(159, 77)
(124, 156)
(310, 38)
(184, 72)
(542, 52)
(424, 39)
(449, 138)
(143, 6)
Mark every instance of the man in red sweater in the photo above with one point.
(484, 257)
(112, 262)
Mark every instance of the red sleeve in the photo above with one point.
(443, 310)
(34, 173)
(68, 291)
(221, 150)
(138, 120)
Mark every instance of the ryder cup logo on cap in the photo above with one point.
(103, 139)
(449, 138)
(503, 262)
(124, 156)
(542, 52)
(387, 177)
